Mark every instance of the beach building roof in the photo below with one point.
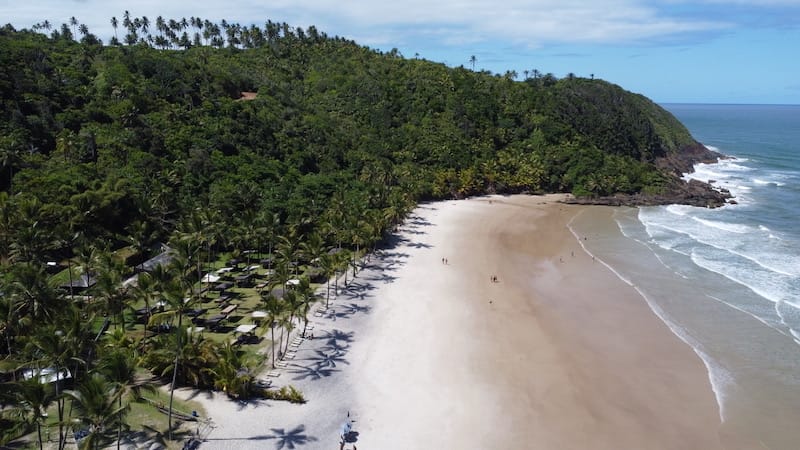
(162, 259)
(47, 374)
(84, 281)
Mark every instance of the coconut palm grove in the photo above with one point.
(190, 175)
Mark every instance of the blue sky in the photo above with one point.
(700, 51)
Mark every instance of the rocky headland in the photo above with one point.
(679, 190)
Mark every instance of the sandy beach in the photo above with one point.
(424, 350)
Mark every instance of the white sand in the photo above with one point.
(426, 355)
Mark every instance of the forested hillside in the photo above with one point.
(102, 136)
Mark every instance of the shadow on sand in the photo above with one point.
(283, 439)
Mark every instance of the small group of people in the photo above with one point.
(445, 261)
(494, 279)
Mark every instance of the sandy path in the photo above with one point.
(558, 354)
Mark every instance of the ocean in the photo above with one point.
(727, 280)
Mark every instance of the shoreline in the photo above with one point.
(674, 328)
(424, 350)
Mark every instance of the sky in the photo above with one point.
(673, 51)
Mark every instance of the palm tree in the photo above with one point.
(160, 25)
(6, 225)
(31, 399)
(9, 322)
(274, 310)
(10, 156)
(140, 237)
(472, 61)
(146, 289)
(119, 367)
(230, 373)
(288, 250)
(173, 293)
(126, 20)
(74, 22)
(305, 298)
(327, 263)
(198, 354)
(28, 287)
(96, 402)
(342, 260)
(115, 24)
(55, 347)
(313, 248)
(86, 259)
(114, 295)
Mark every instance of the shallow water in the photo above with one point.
(753, 367)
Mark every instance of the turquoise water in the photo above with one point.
(727, 281)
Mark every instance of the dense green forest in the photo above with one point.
(219, 139)
(107, 135)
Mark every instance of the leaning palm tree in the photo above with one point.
(96, 404)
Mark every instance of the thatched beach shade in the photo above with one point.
(47, 375)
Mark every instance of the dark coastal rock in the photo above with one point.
(679, 191)
(684, 160)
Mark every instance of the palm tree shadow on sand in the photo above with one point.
(288, 439)
(313, 372)
(352, 309)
